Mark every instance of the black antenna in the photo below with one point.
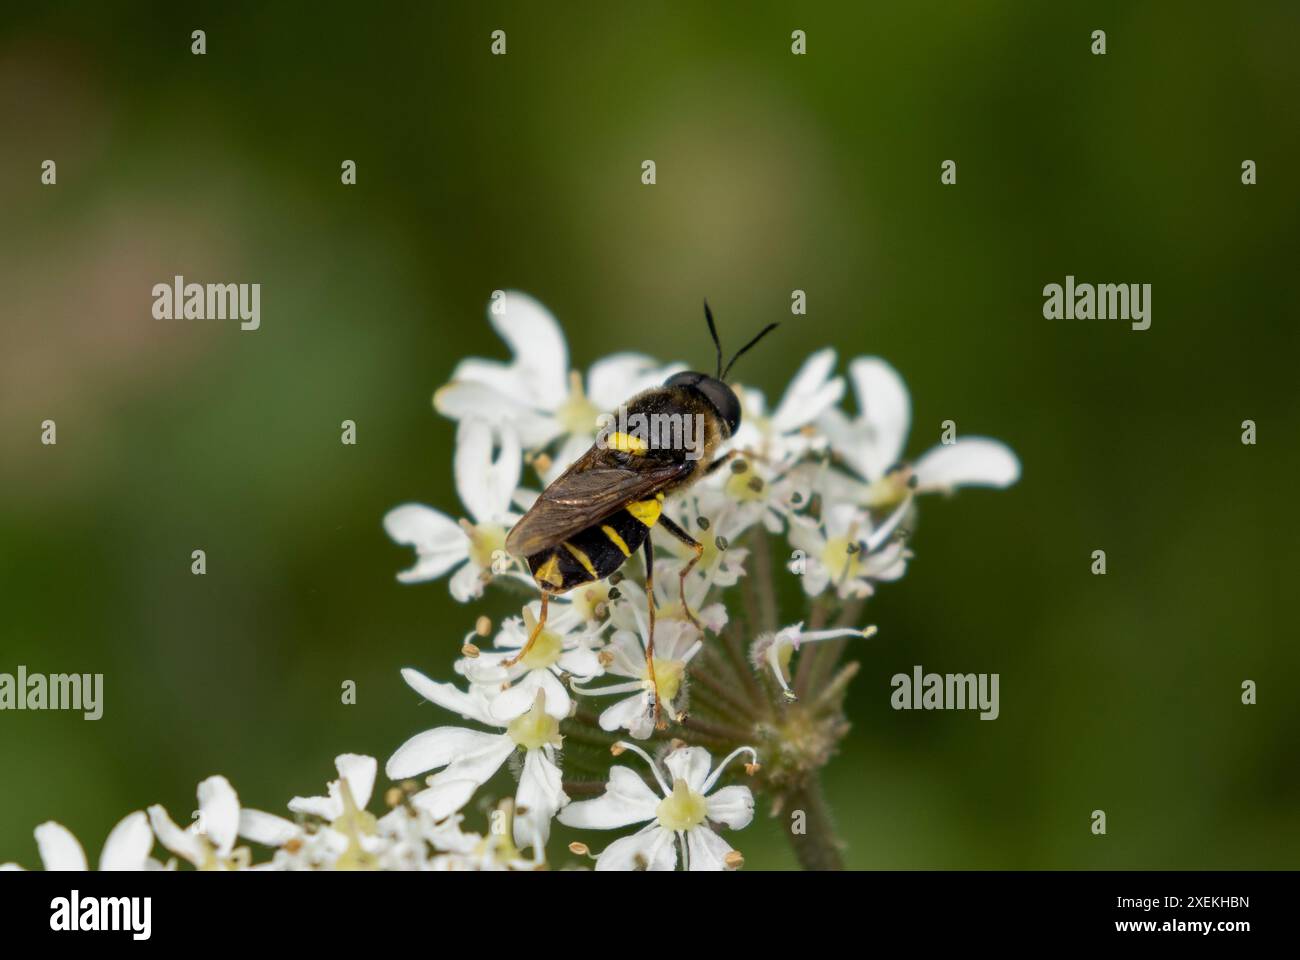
(739, 353)
(708, 315)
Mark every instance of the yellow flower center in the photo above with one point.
(535, 728)
(681, 809)
(546, 650)
(668, 678)
(485, 540)
(709, 556)
(586, 599)
(746, 487)
(837, 559)
(353, 823)
(577, 414)
(889, 490)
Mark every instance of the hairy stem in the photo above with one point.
(818, 847)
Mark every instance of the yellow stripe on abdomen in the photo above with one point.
(582, 558)
(645, 511)
(615, 539)
(549, 572)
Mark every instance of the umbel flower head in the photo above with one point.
(808, 491)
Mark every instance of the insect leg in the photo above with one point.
(650, 640)
(533, 635)
(698, 547)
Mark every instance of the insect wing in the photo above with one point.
(588, 492)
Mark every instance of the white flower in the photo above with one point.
(785, 435)
(414, 840)
(566, 646)
(127, 847)
(722, 562)
(774, 650)
(486, 485)
(629, 610)
(536, 392)
(349, 838)
(209, 842)
(873, 443)
(676, 643)
(471, 757)
(686, 812)
(845, 551)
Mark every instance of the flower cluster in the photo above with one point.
(834, 485)
(810, 490)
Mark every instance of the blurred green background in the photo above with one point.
(775, 172)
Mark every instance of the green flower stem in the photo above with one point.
(818, 847)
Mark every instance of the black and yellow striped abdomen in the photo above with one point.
(596, 552)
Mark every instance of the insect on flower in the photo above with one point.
(591, 518)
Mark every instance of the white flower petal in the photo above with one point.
(706, 849)
(690, 764)
(327, 808)
(359, 771)
(501, 377)
(626, 800)
(583, 663)
(630, 714)
(471, 706)
(970, 462)
(885, 409)
(464, 399)
(485, 483)
(541, 357)
(266, 828)
(650, 849)
(445, 797)
(621, 376)
(183, 843)
(467, 583)
(59, 849)
(437, 748)
(732, 806)
(540, 795)
(627, 653)
(219, 809)
(439, 541)
(479, 764)
(810, 393)
(128, 844)
(519, 698)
